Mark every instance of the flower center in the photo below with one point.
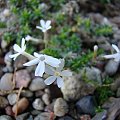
(42, 58)
(57, 73)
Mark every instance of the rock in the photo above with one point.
(38, 104)
(5, 117)
(113, 107)
(22, 78)
(111, 64)
(12, 98)
(39, 93)
(66, 118)
(43, 116)
(6, 12)
(6, 82)
(92, 74)
(8, 111)
(118, 92)
(35, 112)
(60, 107)
(46, 99)
(86, 105)
(100, 115)
(3, 102)
(22, 116)
(22, 105)
(27, 94)
(37, 84)
(74, 88)
(85, 117)
(20, 61)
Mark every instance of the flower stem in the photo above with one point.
(30, 57)
(46, 39)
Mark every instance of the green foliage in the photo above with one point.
(105, 1)
(8, 36)
(3, 25)
(103, 30)
(76, 63)
(104, 91)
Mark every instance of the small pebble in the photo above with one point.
(46, 99)
(60, 107)
(38, 104)
(3, 102)
(5, 117)
(12, 98)
(22, 105)
(37, 84)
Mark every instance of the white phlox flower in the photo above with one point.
(115, 56)
(28, 38)
(57, 74)
(42, 60)
(18, 49)
(44, 25)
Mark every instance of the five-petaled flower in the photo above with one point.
(42, 60)
(57, 74)
(115, 56)
(44, 25)
(18, 49)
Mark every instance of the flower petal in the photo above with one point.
(32, 62)
(66, 73)
(50, 80)
(37, 55)
(54, 62)
(38, 27)
(14, 56)
(48, 22)
(23, 43)
(61, 65)
(116, 48)
(42, 23)
(60, 82)
(17, 48)
(49, 70)
(40, 69)
(111, 56)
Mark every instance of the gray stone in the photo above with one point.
(100, 116)
(86, 105)
(118, 92)
(43, 116)
(66, 118)
(23, 116)
(27, 93)
(22, 78)
(12, 98)
(3, 102)
(113, 107)
(111, 67)
(46, 98)
(92, 74)
(5, 117)
(74, 88)
(38, 104)
(6, 82)
(60, 107)
(37, 84)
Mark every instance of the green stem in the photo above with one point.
(46, 39)
(30, 57)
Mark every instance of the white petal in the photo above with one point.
(66, 73)
(42, 22)
(49, 70)
(50, 80)
(111, 56)
(38, 27)
(40, 69)
(115, 47)
(61, 65)
(48, 22)
(23, 43)
(54, 62)
(17, 48)
(48, 28)
(37, 55)
(14, 56)
(60, 82)
(32, 62)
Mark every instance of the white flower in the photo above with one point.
(18, 49)
(95, 47)
(28, 38)
(115, 56)
(57, 74)
(41, 60)
(44, 25)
